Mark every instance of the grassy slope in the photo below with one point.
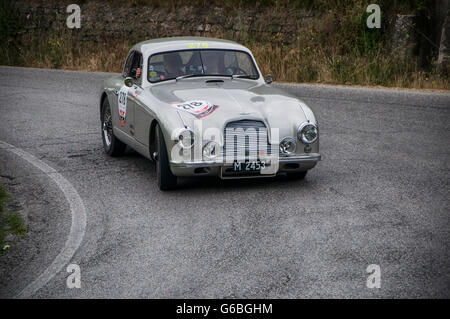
(335, 47)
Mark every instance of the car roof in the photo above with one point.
(183, 43)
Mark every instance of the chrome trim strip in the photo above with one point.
(304, 113)
(181, 118)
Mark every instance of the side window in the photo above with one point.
(127, 67)
(136, 64)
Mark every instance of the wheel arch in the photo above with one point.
(102, 99)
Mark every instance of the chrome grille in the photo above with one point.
(246, 138)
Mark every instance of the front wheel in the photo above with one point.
(166, 179)
(112, 145)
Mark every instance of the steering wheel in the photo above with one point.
(238, 71)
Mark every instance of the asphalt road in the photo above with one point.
(379, 196)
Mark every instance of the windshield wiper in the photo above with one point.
(187, 76)
(233, 76)
(243, 76)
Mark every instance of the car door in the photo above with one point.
(143, 114)
(126, 95)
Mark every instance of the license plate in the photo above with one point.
(249, 166)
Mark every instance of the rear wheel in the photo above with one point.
(166, 179)
(297, 175)
(112, 145)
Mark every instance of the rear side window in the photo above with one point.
(135, 64)
(127, 66)
(134, 61)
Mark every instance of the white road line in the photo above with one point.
(77, 229)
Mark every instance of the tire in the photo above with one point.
(297, 175)
(166, 180)
(112, 145)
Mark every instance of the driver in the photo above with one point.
(173, 65)
(136, 70)
(213, 61)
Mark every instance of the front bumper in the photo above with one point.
(289, 164)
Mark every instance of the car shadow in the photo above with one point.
(214, 183)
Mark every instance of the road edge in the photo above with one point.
(78, 223)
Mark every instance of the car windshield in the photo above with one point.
(208, 62)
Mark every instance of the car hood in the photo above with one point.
(234, 100)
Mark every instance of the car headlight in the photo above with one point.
(288, 145)
(186, 138)
(211, 150)
(307, 133)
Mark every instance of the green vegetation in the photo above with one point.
(334, 46)
(10, 222)
(339, 48)
(11, 29)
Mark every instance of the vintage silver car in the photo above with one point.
(200, 106)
